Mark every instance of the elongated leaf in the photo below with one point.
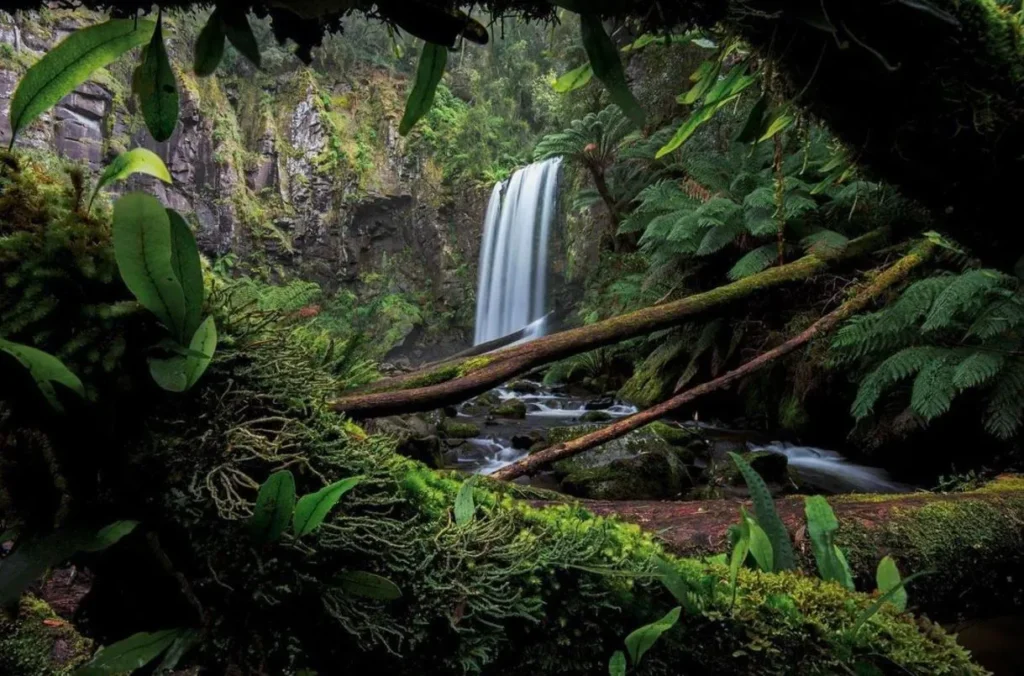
(239, 33)
(617, 664)
(274, 506)
(754, 126)
(888, 578)
(574, 79)
(204, 341)
(821, 527)
(676, 585)
(45, 370)
(782, 121)
(368, 585)
(760, 546)
(132, 653)
(692, 124)
(142, 247)
(209, 46)
(641, 640)
(844, 566)
(70, 63)
(182, 644)
(30, 560)
(767, 517)
(870, 611)
(604, 59)
(312, 509)
(433, 60)
(108, 536)
(705, 76)
(738, 557)
(188, 269)
(465, 508)
(135, 161)
(157, 88)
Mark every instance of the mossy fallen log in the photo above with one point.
(457, 380)
(972, 541)
(35, 641)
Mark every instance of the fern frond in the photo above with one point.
(718, 238)
(754, 261)
(997, 318)
(966, 291)
(933, 390)
(1006, 403)
(899, 366)
(977, 369)
(824, 241)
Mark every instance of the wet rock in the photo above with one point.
(599, 404)
(773, 468)
(416, 437)
(523, 387)
(450, 411)
(558, 435)
(595, 417)
(458, 430)
(512, 408)
(523, 442)
(654, 474)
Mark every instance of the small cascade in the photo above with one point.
(512, 291)
(831, 472)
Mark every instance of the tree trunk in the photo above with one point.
(973, 541)
(885, 280)
(597, 173)
(456, 381)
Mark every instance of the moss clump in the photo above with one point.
(560, 435)
(595, 417)
(36, 642)
(653, 380)
(512, 408)
(457, 430)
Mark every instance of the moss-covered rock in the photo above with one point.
(655, 474)
(510, 408)
(595, 417)
(523, 387)
(37, 642)
(459, 430)
(654, 379)
(773, 468)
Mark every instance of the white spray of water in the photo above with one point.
(833, 470)
(512, 291)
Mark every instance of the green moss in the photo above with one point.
(36, 642)
(560, 435)
(595, 417)
(511, 408)
(457, 430)
(654, 379)
(473, 364)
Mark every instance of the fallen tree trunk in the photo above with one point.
(891, 276)
(457, 380)
(973, 541)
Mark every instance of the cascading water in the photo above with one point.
(512, 292)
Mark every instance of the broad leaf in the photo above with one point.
(574, 79)
(821, 527)
(760, 546)
(604, 59)
(204, 342)
(157, 88)
(132, 653)
(45, 369)
(465, 508)
(142, 247)
(888, 579)
(433, 60)
(239, 33)
(368, 585)
(188, 269)
(209, 46)
(135, 161)
(108, 536)
(641, 640)
(617, 664)
(312, 509)
(274, 506)
(69, 64)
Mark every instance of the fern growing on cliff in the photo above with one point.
(950, 333)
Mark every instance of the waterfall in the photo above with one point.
(512, 291)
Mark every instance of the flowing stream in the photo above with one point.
(512, 290)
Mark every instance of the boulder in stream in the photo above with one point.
(512, 408)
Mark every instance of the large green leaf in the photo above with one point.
(142, 247)
(135, 161)
(368, 585)
(108, 536)
(70, 63)
(157, 88)
(574, 79)
(617, 664)
(641, 640)
(767, 517)
(821, 527)
(274, 506)
(607, 66)
(180, 372)
(312, 509)
(45, 369)
(433, 60)
(209, 48)
(188, 269)
(239, 33)
(888, 578)
(760, 545)
(132, 653)
(465, 508)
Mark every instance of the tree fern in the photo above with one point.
(754, 261)
(933, 390)
(965, 292)
(902, 365)
(977, 369)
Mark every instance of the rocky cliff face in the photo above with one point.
(297, 173)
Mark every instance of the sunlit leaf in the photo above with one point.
(70, 63)
(188, 270)
(135, 161)
(433, 60)
(312, 509)
(274, 506)
(464, 505)
(45, 370)
(108, 536)
(641, 640)
(782, 121)
(574, 79)
(888, 579)
(760, 546)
